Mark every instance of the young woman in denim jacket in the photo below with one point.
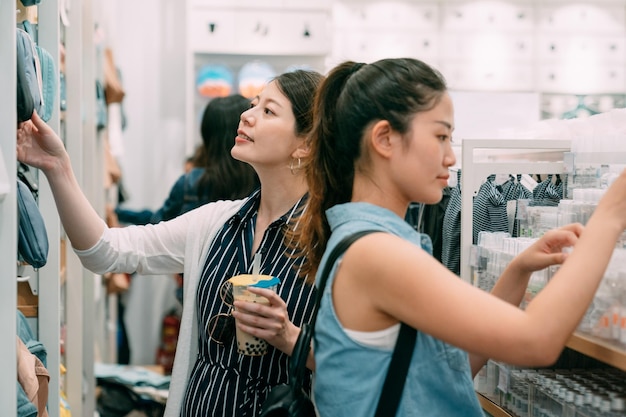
(382, 140)
(210, 244)
(216, 175)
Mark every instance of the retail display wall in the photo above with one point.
(56, 299)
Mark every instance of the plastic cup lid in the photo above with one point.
(266, 283)
(248, 280)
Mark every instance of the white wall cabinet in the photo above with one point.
(281, 33)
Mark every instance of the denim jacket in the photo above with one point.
(183, 197)
(349, 375)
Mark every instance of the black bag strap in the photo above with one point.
(396, 375)
(297, 364)
(341, 247)
(398, 368)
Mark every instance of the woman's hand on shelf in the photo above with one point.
(39, 146)
(548, 250)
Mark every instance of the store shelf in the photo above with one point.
(603, 350)
(492, 408)
(483, 157)
(608, 352)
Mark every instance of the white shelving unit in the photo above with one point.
(5, 185)
(483, 157)
(57, 302)
(84, 148)
(8, 206)
(49, 287)
(45, 281)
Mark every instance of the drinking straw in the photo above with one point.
(256, 267)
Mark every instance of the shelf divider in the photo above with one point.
(492, 408)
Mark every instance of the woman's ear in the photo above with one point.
(302, 151)
(381, 138)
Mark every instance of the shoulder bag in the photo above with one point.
(32, 243)
(290, 400)
(47, 73)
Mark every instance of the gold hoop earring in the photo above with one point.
(294, 169)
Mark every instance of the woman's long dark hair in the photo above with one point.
(224, 178)
(351, 98)
(299, 87)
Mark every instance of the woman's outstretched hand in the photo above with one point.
(38, 145)
(548, 250)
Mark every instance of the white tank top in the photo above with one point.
(385, 338)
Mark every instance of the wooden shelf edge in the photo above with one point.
(27, 303)
(492, 408)
(29, 311)
(599, 349)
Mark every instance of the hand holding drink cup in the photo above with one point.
(249, 344)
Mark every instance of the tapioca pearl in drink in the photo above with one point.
(253, 347)
(247, 343)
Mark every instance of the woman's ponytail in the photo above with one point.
(330, 171)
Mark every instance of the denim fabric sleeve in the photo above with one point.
(172, 206)
(128, 216)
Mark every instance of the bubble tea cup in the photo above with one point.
(248, 344)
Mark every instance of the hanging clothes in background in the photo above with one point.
(548, 192)
(513, 190)
(428, 219)
(451, 229)
(489, 209)
(414, 214)
(432, 221)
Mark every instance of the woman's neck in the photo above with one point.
(277, 197)
(367, 191)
